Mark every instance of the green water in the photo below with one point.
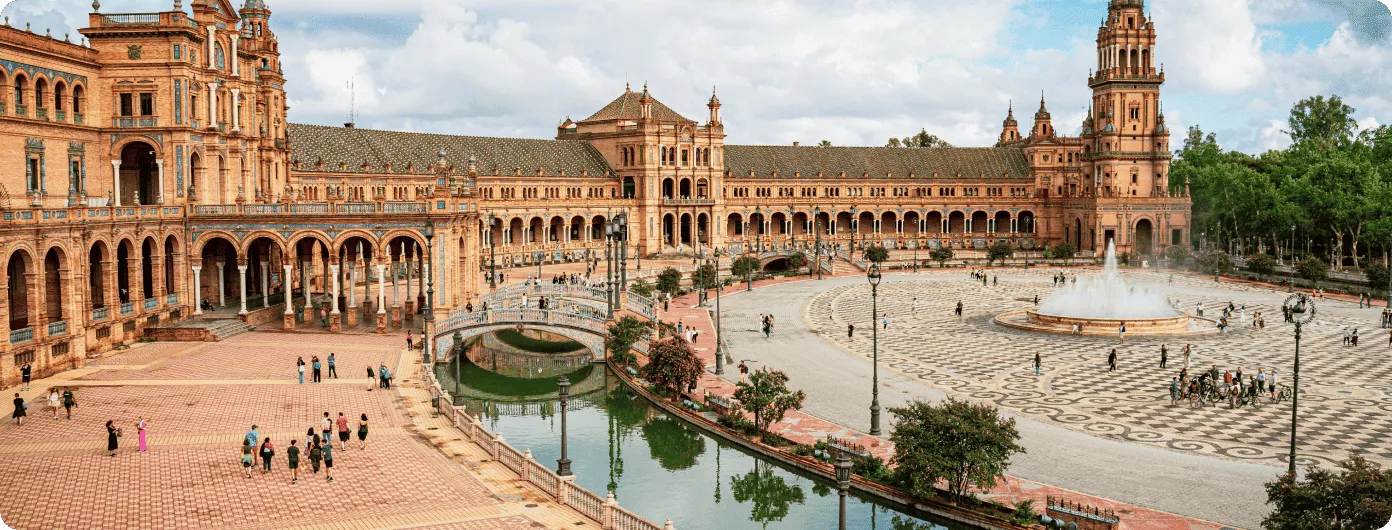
(661, 467)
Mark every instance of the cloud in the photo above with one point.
(1371, 20)
(1209, 45)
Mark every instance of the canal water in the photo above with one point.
(658, 466)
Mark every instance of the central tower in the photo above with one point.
(1128, 143)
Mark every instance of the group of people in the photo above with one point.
(1062, 278)
(1228, 384)
(66, 400)
(980, 274)
(766, 324)
(317, 367)
(318, 447)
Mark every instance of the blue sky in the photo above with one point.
(851, 71)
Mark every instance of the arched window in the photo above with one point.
(41, 93)
(218, 59)
(21, 84)
(60, 92)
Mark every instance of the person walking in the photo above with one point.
(959, 310)
(267, 453)
(310, 437)
(885, 319)
(112, 433)
(1112, 361)
(743, 370)
(1187, 349)
(299, 366)
(1036, 363)
(342, 424)
(1271, 383)
(1121, 333)
(20, 410)
(53, 401)
(69, 401)
(326, 426)
(371, 379)
(253, 436)
(850, 334)
(292, 459)
(328, 462)
(1164, 355)
(362, 432)
(247, 458)
(316, 455)
(317, 366)
(333, 370)
(140, 434)
(1174, 391)
(1354, 337)
(408, 339)
(386, 376)
(26, 372)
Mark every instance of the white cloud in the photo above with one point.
(1209, 45)
(1274, 136)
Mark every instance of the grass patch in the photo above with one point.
(525, 343)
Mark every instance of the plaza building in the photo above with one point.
(149, 172)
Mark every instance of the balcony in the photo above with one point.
(41, 113)
(21, 336)
(61, 115)
(21, 110)
(172, 299)
(59, 328)
(127, 308)
(130, 19)
(77, 118)
(360, 208)
(699, 201)
(101, 313)
(404, 207)
(128, 122)
(151, 303)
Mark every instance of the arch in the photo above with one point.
(842, 223)
(21, 280)
(40, 92)
(667, 188)
(1024, 223)
(417, 239)
(684, 188)
(55, 273)
(195, 173)
(978, 222)
(734, 225)
(514, 230)
(800, 220)
(597, 228)
(21, 85)
(148, 248)
(776, 265)
(534, 228)
(60, 93)
(252, 238)
(629, 188)
(577, 228)
(669, 227)
(865, 223)
(702, 187)
(889, 222)
(139, 174)
(756, 223)
(171, 247)
(685, 227)
(79, 97)
(1078, 233)
(1002, 222)
(778, 223)
(934, 223)
(97, 263)
(1145, 237)
(703, 228)
(127, 259)
(956, 222)
(556, 230)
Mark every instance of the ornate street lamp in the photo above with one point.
(1302, 310)
(563, 389)
(874, 276)
(719, 358)
(817, 216)
(458, 364)
(609, 267)
(843, 483)
(429, 293)
(492, 256)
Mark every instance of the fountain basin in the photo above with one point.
(1032, 320)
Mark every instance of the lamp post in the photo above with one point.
(429, 293)
(492, 257)
(843, 483)
(817, 216)
(719, 358)
(621, 242)
(609, 267)
(458, 365)
(874, 277)
(1302, 310)
(759, 232)
(789, 226)
(915, 257)
(563, 389)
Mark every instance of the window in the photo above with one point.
(1134, 178)
(178, 52)
(24, 358)
(33, 174)
(147, 104)
(1135, 113)
(127, 104)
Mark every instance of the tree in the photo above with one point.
(824, 143)
(1377, 275)
(622, 335)
(876, 254)
(1178, 254)
(922, 139)
(1262, 264)
(1313, 269)
(1215, 262)
(669, 280)
(941, 255)
(1357, 497)
(642, 288)
(1064, 251)
(796, 262)
(766, 396)
(1000, 251)
(956, 442)
(704, 277)
(672, 365)
(744, 266)
(1322, 123)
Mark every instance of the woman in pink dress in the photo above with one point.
(140, 428)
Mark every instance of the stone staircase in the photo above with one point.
(199, 330)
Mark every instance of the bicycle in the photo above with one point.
(1283, 393)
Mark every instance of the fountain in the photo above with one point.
(1098, 305)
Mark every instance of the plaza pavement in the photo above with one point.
(1127, 456)
(199, 399)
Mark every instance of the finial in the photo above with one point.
(178, 5)
(96, 6)
(48, 32)
(26, 27)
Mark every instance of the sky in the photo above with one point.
(854, 72)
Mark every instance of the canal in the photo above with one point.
(658, 466)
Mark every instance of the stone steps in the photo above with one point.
(229, 328)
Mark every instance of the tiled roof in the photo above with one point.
(626, 107)
(334, 145)
(877, 161)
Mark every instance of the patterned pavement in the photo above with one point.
(1345, 395)
(199, 399)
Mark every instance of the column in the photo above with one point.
(335, 318)
(241, 271)
(381, 299)
(265, 285)
(116, 181)
(197, 290)
(159, 195)
(212, 38)
(212, 96)
(304, 285)
(236, 109)
(288, 317)
(236, 67)
(222, 289)
(352, 285)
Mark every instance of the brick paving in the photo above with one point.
(199, 400)
(1066, 455)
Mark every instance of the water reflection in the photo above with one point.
(660, 467)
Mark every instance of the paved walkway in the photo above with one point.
(200, 398)
(1145, 481)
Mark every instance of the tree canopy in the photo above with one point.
(922, 139)
(766, 396)
(957, 442)
(1357, 497)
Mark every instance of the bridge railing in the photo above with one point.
(508, 296)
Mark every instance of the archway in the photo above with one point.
(406, 263)
(21, 285)
(55, 267)
(263, 258)
(800, 220)
(842, 223)
(577, 228)
(669, 230)
(703, 228)
(685, 189)
(911, 222)
(514, 231)
(865, 223)
(1025, 222)
(1078, 234)
(934, 223)
(96, 274)
(889, 223)
(556, 232)
(667, 188)
(147, 268)
(1002, 222)
(956, 223)
(218, 279)
(686, 238)
(534, 229)
(139, 174)
(126, 260)
(702, 189)
(597, 228)
(734, 225)
(776, 265)
(978, 222)
(195, 175)
(355, 256)
(1145, 237)
(170, 247)
(628, 188)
